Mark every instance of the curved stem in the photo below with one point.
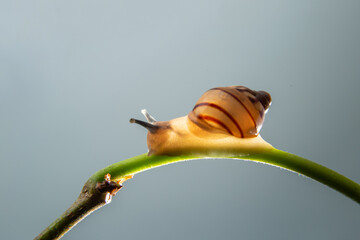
(93, 195)
(273, 157)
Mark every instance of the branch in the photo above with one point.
(93, 196)
(97, 192)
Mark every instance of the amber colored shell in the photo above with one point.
(235, 110)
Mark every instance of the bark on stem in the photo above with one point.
(93, 196)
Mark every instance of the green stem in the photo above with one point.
(273, 157)
(91, 198)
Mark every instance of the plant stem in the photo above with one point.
(91, 198)
(273, 157)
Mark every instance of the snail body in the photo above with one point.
(224, 120)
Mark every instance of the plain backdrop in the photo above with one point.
(72, 73)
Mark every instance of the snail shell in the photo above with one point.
(236, 110)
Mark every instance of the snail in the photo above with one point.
(224, 120)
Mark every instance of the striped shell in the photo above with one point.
(235, 110)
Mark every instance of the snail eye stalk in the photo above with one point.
(148, 117)
(149, 126)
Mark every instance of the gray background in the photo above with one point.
(72, 73)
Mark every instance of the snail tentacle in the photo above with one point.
(149, 126)
(148, 117)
